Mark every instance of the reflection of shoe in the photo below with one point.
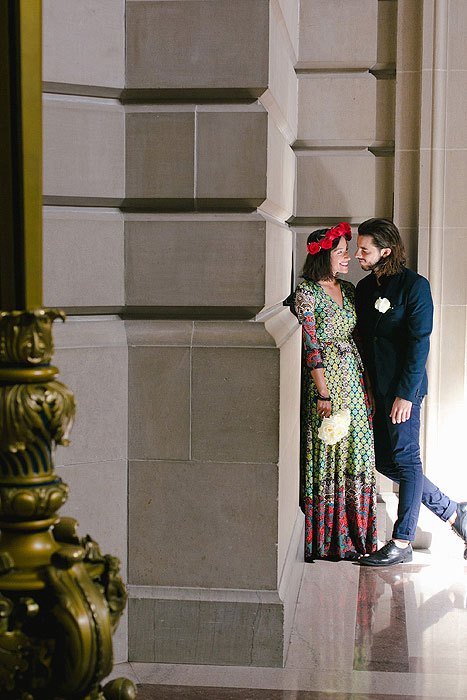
(460, 525)
(388, 555)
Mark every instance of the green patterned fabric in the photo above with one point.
(338, 481)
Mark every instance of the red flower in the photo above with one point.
(342, 229)
(313, 248)
(326, 243)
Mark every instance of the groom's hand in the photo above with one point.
(401, 410)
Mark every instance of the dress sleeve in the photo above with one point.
(305, 308)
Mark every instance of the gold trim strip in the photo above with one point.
(27, 376)
(31, 102)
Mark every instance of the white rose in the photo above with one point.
(382, 305)
(335, 427)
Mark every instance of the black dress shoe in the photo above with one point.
(388, 555)
(460, 525)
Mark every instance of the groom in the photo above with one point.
(394, 320)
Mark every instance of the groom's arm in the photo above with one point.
(419, 326)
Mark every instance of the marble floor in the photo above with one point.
(359, 634)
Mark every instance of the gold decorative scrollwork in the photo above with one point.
(14, 647)
(107, 574)
(29, 412)
(33, 502)
(64, 597)
(84, 651)
(26, 336)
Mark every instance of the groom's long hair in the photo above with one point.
(385, 234)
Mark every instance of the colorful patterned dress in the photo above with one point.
(337, 481)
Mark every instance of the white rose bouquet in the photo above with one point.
(335, 427)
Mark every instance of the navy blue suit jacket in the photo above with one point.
(395, 344)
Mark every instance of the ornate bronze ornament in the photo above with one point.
(60, 598)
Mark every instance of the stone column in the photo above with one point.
(442, 215)
(214, 528)
(83, 72)
(430, 209)
(345, 141)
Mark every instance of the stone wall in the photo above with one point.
(213, 397)
(190, 146)
(153, 175)
(433, 158)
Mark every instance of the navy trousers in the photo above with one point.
(397, 453)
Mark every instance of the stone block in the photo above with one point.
(338, 33)
(385, 110)
(337, 108)
(411, 238)
(83, 142)
(408, 104)
(457, 38)
(283, 83)
(290, 13)
(279, 258)
(159, 333)
(452, 359)
(335, 184)
(455, 205)
(159, 402)
(289, 442)
(159, 155)
(231, 155)
(235, 413)
(456, 136)
(454, 277)
(218, 632)
(195, 262)
(281, 174)
(98, 500)
(410, 48)
(83, 44)
(91, 355)
(384, 186)
(193, 46)
(83, 258)
(387, 32)
(190, 524)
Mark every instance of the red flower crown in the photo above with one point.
(326, 239)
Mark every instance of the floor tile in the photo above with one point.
(358, 634)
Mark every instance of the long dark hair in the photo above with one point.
(318, 266)
(385, 234)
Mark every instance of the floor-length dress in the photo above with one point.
(337, 481)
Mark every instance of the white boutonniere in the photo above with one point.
(335, 427)
(382, 305)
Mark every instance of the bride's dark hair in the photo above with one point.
(318, 266)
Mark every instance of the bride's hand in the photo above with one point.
(324, 408)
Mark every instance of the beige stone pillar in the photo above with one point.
(214, 527)
(442, 215)
(345, 141)
(83, 71)
(431, 164)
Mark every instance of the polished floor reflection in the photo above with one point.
(359, 633)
